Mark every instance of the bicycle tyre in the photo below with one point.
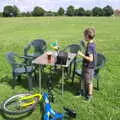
(15, 99)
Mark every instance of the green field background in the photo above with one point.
(15, 33)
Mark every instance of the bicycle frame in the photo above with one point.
(39, 96)
(48, 109)
(27, 102)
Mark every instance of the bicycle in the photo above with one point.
(26, 102)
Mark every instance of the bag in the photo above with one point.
(62, 58)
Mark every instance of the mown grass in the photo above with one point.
(15, 33)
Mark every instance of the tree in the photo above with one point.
(70, 11)
(38, 11)
(61, 11)
(76, 11)
(88, 13)
(108, 11)
(96, 11)
(15, 11)
(10, 11)
(81, 12)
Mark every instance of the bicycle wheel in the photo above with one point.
(12, 105)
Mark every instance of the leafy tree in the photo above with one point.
(70, 11)
(15, 11)
(108, 11)
(61, 11)
(88, 13)
(10, 11)
(38, 11)
(76, 11)
(96, 11)
(81, 12)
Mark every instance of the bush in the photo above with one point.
(38, 11)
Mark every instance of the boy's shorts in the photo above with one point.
(88, 74)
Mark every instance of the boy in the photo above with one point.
(88, 62)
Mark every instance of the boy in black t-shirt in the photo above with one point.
(88, 62)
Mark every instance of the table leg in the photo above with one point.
(62, 80)
(73, 75)
(40, 78)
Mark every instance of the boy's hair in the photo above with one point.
(90, 32)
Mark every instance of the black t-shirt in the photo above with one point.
(91, 49)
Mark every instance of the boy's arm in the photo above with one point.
(89, 58)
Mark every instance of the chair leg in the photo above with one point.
(13, 81)
(19, 78)
(30, 84)
(97, 82)
(69, 70)
(74, 68)
(35, 77)
(73, 76)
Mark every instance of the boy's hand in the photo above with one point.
(80, 53)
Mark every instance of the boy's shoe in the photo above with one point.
(89, 97)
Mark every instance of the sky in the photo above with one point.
(54, 5)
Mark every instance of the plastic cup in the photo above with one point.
(49, 56)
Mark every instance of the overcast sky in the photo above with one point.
(54, 5)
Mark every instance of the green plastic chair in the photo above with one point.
(19, 68)
(39, 46)
(72, 48)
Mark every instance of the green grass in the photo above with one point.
(15, 33)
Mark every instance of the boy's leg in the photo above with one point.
(81, 91)
(82, 87)
(88, 81)
(82, 83)
(90, 88)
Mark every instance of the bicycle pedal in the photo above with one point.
(70, 112)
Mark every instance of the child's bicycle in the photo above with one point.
(26, 102)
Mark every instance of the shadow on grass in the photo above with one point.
(14, 117)
(23, 80)
(73, 88)
(55, 76)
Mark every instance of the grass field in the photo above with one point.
(15, 33)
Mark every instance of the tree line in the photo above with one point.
(13, 11)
